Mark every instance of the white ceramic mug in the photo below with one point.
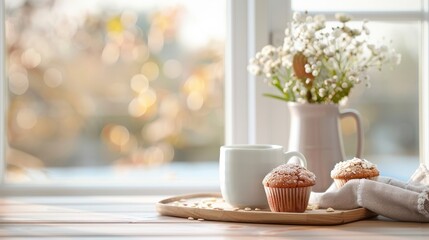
(242, 169)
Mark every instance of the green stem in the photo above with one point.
(283, 98)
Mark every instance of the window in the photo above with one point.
(249, 117)
(123, 92)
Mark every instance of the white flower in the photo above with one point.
(357, 81)
(315, 73)
(254, 69)
(365, 29)
(310, 33)
(319, 18)
(333, 59)
(298, 17)
(253, 61)
(347, 30)
(287, 61)
(342, 17)
(268, 50)
(327, 81)
(328, 52)
(355, 32)
(337, 33)
(299, 45)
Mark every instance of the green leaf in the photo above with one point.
(283, 98)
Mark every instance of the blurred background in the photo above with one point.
(390, 106)
(117, 84)
(134, 90)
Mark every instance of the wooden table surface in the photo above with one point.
(131, 217)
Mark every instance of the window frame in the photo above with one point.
(248, 116)
(424, 87)
(3, 93)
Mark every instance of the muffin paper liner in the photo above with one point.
(341, 182)
(288, 199)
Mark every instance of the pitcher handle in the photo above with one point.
(356, 116)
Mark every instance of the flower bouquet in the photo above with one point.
(320, 64)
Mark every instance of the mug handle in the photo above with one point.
(356, 116)
(300, 156)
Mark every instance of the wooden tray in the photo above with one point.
(211, 206)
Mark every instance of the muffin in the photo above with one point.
(355, 168)
(288, 188)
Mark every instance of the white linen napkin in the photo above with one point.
(386, 196)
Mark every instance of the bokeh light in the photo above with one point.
(53, 77)
(129, 18)
(147, 97)
(137, 108)
(195, 101)
(155, 40)
(18, 83)
(31, 58)
(172, 68)
(139, 83)
(150, 70)
(158, 130)
(110, 54)
(119, 135)
(170, 107)
(26, 118)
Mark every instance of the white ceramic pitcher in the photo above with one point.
(315, 132)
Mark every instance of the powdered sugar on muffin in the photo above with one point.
(289, 176)
(354, 168)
